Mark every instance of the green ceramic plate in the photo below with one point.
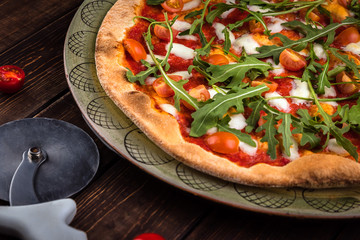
(120, 134)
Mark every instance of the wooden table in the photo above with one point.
(122, 201)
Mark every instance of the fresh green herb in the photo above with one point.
(311, 34)
(209, 115)
(223, 126)
(270, 133)
(154, 2)
(285, 131)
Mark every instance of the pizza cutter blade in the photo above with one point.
(42, 160)
(72, 160)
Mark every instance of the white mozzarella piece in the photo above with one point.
(330, 92)
(211, 130)
(336, 148)
(149, 80)
(319, 51)
(275, 25)
(353, 47)
(237, 121)
(212, 92)
(255, 8)
(181, 26)
(219, 32)
(280, 103)
(278, 68)
(332, 103)
(247, 42)
(187, 37)
(150, 60)
(249, 150)
(190, 5)
(169, 109)
(184, 74)
(294, 151)
(181, 51)
(300, 89)
(227, 13)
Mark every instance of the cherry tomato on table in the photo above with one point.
(149, 236)
(135, 49)
(11, 78)
(173, 5)
(223, 142)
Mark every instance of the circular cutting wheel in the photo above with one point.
(73, 157)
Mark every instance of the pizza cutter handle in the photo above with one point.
(22, 191)
(42, 221)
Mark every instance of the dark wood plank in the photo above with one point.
(41, 57)
(21, 18)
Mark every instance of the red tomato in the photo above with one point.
(162, 32)
(223, 142)
(218, 59)
(271, 85)
(162, 89)
(136, 50)
(200, 93)
(11, 78)
(149, 236)
(348, 88)
(349, 35)
(292, 60)
(173, 5)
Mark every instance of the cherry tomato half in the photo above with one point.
(256, 27)
(200, 93)
(217, 59)
(135, 49)
(292, 60)
(162, 89)
(347, 87)
(149, 236)
(173, 5)
(223, 142)
(349, 35)
(162, 32)
(11, 78)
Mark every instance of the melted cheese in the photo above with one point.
(226, 13)
(190, 5)
(255, 8)
(211, 130)
(300, 89)
(149, 80)
(237, 121)
(181, 51)
(353, 47)
(184, 74)
(181, 26)
(336, 148)
(280, 103)
(187, 37)
(169, 109)
(277, 68)
(249, 150)
(247, 42)
(219, 32)
(276, 26)
(319, 51)
(330, 92)
(294, 151)
(150, 60)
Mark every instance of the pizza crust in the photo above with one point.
(314, 171)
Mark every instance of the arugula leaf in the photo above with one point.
(349, 63)
(254, 117)
(208, 115)
(236, 71)
(223, 125)
(311, 33)
(196, 26)
(270, 132)
(141, 76)
(323, 80)
(308, 133)
(285, 131)
(354, 113)
(154, 2)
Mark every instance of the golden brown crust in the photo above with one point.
(316, 170)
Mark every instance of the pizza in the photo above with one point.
(258, 92)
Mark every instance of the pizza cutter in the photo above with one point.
(41, 161)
